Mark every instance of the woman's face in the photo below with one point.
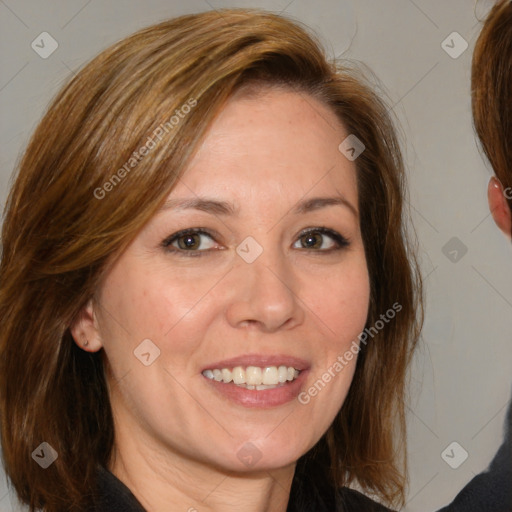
(255, 261)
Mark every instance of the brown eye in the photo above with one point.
(188, 242)
(321, 239)
(191, 241)
(312, 240)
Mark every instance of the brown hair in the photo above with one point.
(59, 237)
(491, 81)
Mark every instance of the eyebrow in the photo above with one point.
(224, 208)
(202, 204)
(317, 203)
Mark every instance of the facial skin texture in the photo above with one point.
(177, 438)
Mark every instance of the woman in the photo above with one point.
(207, 299)
(491, 79)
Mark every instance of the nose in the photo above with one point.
(265, 294)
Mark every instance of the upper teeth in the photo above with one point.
(253, 375)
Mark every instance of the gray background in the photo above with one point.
(461, 381)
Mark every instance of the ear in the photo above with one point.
(84, 329)
(499, 207)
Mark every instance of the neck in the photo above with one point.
(175, 482)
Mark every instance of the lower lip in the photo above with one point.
(266, 398)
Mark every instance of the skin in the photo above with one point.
(177, 438)
(498, 205)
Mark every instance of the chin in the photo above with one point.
(265, 454)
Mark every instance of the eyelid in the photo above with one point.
(337, 237)
(342, 241)
(167, 242)
(187, 231)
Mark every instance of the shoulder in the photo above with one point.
(491, 489)
(350, 500)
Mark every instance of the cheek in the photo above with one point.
(342, 305)
(153, 303)
(132, 304)
(341, 301)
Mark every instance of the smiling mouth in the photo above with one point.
(254, 377)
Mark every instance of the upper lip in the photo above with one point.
(261, 360)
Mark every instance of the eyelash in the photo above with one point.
(339, 239)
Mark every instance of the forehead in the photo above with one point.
(277, 140)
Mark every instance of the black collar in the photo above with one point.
(113, 495)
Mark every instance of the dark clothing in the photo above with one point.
(114, 496)
(491, 490)
(488, 491)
